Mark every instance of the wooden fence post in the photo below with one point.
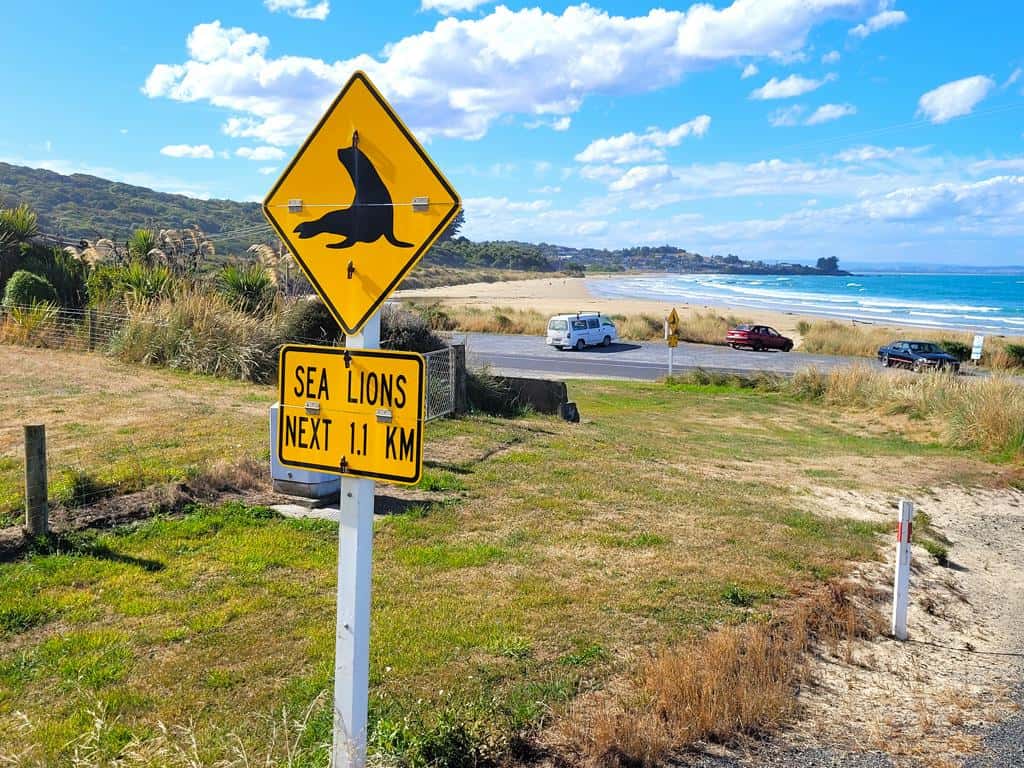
(93, 330)
(461, 399)
(36, 510)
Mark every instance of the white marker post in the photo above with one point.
(901, 586)
(352, 634)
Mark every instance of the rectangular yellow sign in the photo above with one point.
(355, 412)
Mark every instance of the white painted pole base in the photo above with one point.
(901, 584)
(352, 634)
(671, 359)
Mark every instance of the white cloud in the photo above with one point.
(828, 112)
(1014, 77)
(123, 131)
(954, 99)
(868, 153)
(199, 151)
(300, 9)
(878, 22)
(448, 7)
(643, 148)
(558, 124)
(749, 71)
(484, 206)
(785, 117)
(832, 57)
(268, 169)
(794, 85)
(260, 153)
(640, 177)
(458, 78)
(548, 190)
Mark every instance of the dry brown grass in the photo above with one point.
(974, 413)
(829, 337)
(704, 328)
(737, 681)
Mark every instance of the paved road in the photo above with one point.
(640, 360)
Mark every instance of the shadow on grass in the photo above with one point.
(84, 545)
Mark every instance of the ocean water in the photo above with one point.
(983, 303)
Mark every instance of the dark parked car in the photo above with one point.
(757, 337)
(919, 355)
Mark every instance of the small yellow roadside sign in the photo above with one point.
(673, 323)
(356, 412)
(360, 203)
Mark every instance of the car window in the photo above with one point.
(743, 327)
(771, 332)
(556, 325)
(593, 323)
(607, 324)
(924, 348)
(579, 325)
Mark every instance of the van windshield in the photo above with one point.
(556, 325)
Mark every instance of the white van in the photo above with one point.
(580, 330)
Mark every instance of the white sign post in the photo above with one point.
(352, 634)
(977, 347)
(901, 585)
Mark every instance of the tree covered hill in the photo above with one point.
(81, 206)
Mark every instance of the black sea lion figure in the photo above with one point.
(369, 218)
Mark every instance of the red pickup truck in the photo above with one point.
(757, 337)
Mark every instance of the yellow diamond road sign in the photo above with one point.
(360, 203)
(356, 412)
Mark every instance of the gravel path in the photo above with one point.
(1004, 743)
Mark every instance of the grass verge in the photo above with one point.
(561, 555)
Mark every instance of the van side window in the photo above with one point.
(593, 323)
(579, 325)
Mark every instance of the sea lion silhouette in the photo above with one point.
(369, 218)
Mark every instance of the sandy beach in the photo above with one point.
(553, 295)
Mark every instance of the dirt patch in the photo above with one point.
(244, 480)
(928, 698)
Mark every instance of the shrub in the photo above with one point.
(141, 243)
(131, 283)
(957, 349)
(403, 329)
(17, 225)
(201, 333)
(308, 321)
(488, 394)
(249, 288)
(66, 274)
(26, 289)
(1015, 352)
(34, 326)
(436, 318)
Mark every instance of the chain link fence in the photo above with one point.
(440, 395)
(87, 330)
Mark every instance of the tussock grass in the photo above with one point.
(829, 337)
(986, 413)
(736, 681)
(704, 328)
(971, 413)
(202, 333)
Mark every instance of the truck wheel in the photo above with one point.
(607, 341)
(885, 361)
(580, 344)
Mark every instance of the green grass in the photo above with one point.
(537, 575)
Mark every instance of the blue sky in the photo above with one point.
(778, 129)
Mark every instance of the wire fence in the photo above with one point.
(440, 383)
